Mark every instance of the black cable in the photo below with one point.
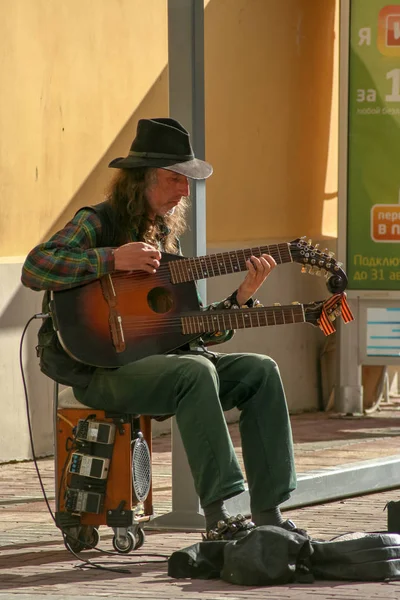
(86, 563)
(91, 565)
(38, 316)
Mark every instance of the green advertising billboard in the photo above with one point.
(373, 176)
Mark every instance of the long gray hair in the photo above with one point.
(127, 195)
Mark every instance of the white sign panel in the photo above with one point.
(383, 332)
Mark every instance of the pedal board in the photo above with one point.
(103, 463)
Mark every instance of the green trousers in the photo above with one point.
(197, 390)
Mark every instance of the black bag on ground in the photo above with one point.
(358, 557)
(273, 556)
(266, 556)
(393, 516)
(203, 560)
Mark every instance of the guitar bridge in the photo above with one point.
(117, 333)
(114, 318)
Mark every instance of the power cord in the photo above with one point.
(86, 563)
(37, 316)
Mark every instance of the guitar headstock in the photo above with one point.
(319, 262)
(323, 314)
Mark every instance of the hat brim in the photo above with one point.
(194, 168)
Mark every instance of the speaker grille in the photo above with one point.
(141, 469)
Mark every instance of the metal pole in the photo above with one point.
(186, 105)
(348, 390)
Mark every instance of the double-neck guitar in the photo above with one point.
(126, 316)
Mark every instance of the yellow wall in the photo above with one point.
(76, 76)
(72, 73)
(269, 67)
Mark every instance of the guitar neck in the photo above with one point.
(219, 320)
(224, 263)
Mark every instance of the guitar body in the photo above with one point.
(144, 303)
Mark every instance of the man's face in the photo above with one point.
(166, 191)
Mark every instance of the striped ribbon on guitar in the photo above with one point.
(336, 306)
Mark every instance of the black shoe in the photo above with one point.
(290, 526)
(233, 528)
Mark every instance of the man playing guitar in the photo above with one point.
(142, 216)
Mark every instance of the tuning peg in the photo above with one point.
(331, 254)
(309, 242)
(316, 246)
(277, 304)
(325, 250)
(295, 303)
(303, 269)
(338, 266)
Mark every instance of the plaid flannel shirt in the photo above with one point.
(72, 257)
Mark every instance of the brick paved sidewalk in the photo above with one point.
(34, 563)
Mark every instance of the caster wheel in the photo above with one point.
(90, 537)
(124, 544)
(74, 544)
(140, 538)
(85, 537)
(72, 539)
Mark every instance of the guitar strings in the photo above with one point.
(204, 328)
(288, 313)
(280, 252)
(197, 271)
(185, 268)
(179, 329)
(213, 262)
(172, 324)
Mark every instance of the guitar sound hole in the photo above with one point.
(160, 300)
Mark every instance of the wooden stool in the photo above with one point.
(102, 474)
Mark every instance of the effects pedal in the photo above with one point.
(89, 466)
(79, 501)
(95, 431)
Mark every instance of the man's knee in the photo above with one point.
(196, 368)
(261, 364)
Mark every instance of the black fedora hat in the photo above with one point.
(163, 143)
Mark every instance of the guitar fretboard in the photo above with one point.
(223, 263)
(219, 320)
